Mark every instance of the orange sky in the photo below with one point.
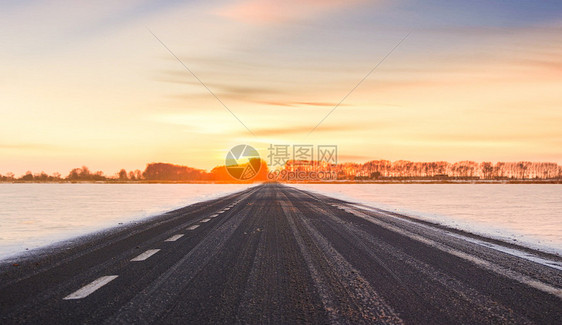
(89, 85)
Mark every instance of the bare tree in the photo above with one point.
(123, 175)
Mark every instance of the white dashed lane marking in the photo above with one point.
(100, 282)
(175, 237)
(145, 255)
(91, 287)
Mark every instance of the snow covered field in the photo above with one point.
(527, 214)
(35, 215)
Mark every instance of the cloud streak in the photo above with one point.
(300, 130)
(299, 104)
(272, 11)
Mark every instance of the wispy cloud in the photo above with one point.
(221, 88)
(246, 93)
(299, 104)
(299, 130)
(272, 11)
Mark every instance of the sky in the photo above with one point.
(87, 82)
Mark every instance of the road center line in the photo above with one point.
(90, 288)
(175, 237)
(193, 227)
(205, 220)
(214, 215)
(145, 255)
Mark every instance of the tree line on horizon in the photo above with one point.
(153, 172)
(385, 169)
(372, 170)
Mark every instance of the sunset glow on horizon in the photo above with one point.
(87, 84)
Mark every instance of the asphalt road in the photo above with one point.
(274, 254)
